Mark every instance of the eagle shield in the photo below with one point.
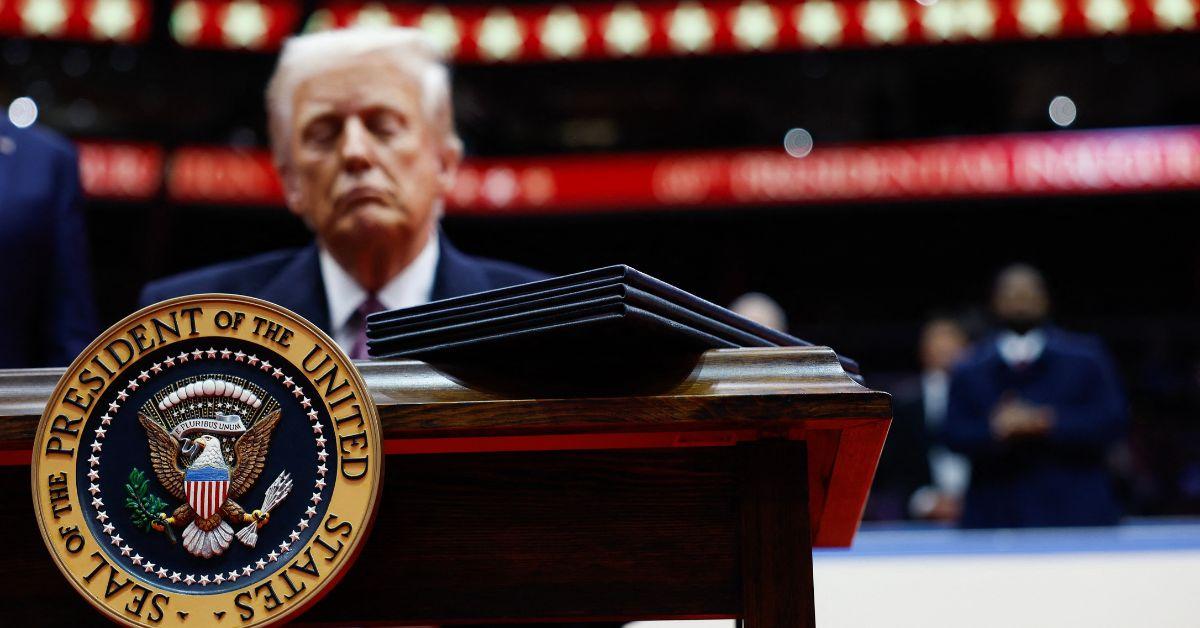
(206, 489)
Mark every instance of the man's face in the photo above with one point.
(1020, 300)
(367, 167)
(943, 342)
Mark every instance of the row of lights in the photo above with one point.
(622, 29)
(101, 20)
(693, 27)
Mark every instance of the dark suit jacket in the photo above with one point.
(1057, 480)
(48, 315)
(904, 465)
(292, 279)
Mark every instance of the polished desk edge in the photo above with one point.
(720, 372)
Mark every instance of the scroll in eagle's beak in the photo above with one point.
(191, 448)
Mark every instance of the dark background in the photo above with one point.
(859, 277)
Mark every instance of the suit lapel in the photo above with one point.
(298, 287)
(456, 275)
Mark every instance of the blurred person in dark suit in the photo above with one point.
(1036, 409)
(363, 137)
(48, 315)
(918, 477)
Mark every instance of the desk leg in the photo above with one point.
(776, 546)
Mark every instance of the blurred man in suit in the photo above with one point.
(918, 476)
(1036, 409)
(363, 137)
(48, 314)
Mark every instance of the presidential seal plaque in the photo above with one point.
(209, 461)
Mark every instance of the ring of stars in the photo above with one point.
(142, 378)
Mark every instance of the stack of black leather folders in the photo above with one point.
(612, 323)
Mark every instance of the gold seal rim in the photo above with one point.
(374, 440)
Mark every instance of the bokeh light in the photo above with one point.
(1062, 111)
(798, 142)
(22, 112)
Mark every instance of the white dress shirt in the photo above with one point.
(413, 286)
(950, 471)
(1021, 349)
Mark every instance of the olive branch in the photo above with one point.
(145, 507)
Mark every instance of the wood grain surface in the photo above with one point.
(777, 581)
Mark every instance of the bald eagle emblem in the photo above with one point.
(208, 438)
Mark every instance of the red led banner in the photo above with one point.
(498, 33)
(1086, 162)
(223, 176)
(99, 20)
(114, 170)
(1070, 162)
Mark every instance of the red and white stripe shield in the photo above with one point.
(206, 489)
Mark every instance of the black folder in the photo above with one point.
(516, 316)
(481, 302)
(612, 315)
(612, 327)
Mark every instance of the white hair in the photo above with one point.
(305, 56)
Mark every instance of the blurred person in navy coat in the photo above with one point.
(48, 315)
(918, 478)
(363, 137)
(1036, 410)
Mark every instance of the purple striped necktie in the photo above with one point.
(358, 321)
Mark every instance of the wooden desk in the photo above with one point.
(698, 496)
